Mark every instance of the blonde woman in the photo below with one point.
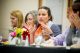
(16, 17)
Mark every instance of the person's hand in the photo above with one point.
(75, 46)
(76, 20)
(69, 15)
(73, 18)
(32, 29)
(45, 29)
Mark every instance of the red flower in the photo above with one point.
(24, 34)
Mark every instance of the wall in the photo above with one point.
(56, 7)
(7, 6)
(0, 15)
(65, 21)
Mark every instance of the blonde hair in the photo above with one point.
(18, 14)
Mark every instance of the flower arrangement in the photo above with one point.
(24, 34)
(20, 33)
(17, 33)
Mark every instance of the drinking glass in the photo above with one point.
(0, 38)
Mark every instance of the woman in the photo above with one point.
(30, 24)
(16, 21)
(45, 26)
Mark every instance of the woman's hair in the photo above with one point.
(18, 14)
(48, 11)
(34, 14)
(76, 6)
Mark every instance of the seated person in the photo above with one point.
(74, 29)
(45, 22)
(30, 24)
(16, 21)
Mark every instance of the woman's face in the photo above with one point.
(30, 19)
(43, 16)
(14, 21)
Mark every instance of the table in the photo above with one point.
(19, 49)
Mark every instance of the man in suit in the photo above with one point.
(74, 29)
(74, 18)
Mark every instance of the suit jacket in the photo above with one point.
(66, 36)
(72, 32)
